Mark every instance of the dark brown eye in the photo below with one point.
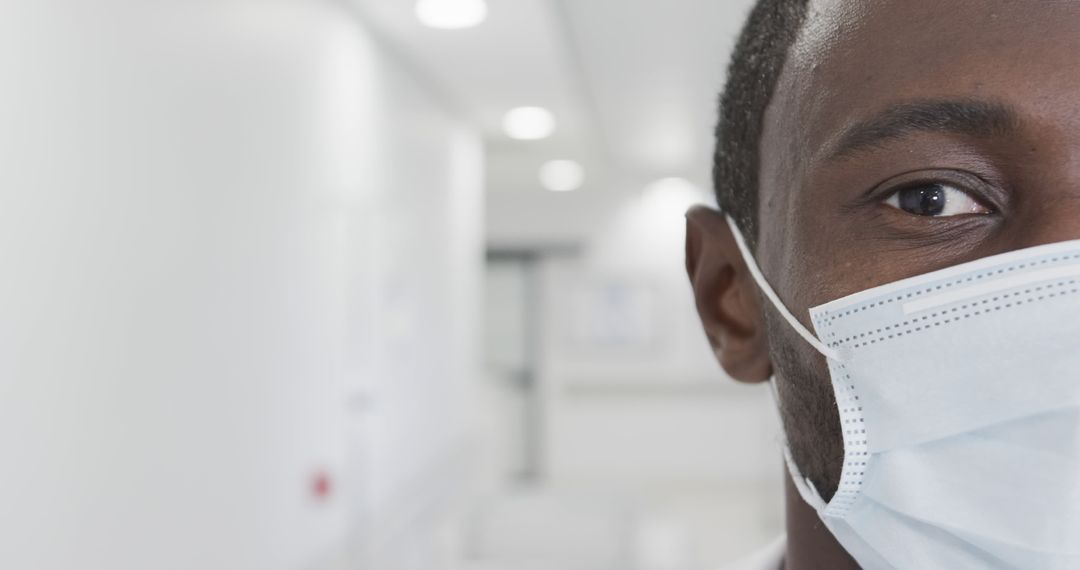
(936, 200)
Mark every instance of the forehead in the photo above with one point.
(856, 58)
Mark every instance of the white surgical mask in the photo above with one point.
(959, 399)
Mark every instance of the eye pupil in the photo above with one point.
(923, 200)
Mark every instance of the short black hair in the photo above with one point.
(754, 71)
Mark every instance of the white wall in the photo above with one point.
(426, 245)
(208, 210)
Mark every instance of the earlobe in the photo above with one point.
(726, 297)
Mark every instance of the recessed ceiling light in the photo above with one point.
(529, 123)
(562, 175)
(451, 14)
(672, 186)
(672, 196)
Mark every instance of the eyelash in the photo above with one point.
(939, 199)
(977, 187)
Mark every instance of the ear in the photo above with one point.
(727, 297)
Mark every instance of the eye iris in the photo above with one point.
(923, 200)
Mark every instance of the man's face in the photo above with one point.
(906, 136)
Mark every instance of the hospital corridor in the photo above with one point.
(366, 285)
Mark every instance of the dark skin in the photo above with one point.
(973, 103)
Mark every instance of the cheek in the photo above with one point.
(810, 418)
(843, 268)
(820, 266)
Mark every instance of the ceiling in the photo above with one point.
(633, 84)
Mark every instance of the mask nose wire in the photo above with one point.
(763, 284)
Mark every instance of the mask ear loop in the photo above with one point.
(803, 485)
(763, 284)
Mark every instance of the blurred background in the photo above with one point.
(376, 284)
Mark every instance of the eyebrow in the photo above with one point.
(981, 119)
